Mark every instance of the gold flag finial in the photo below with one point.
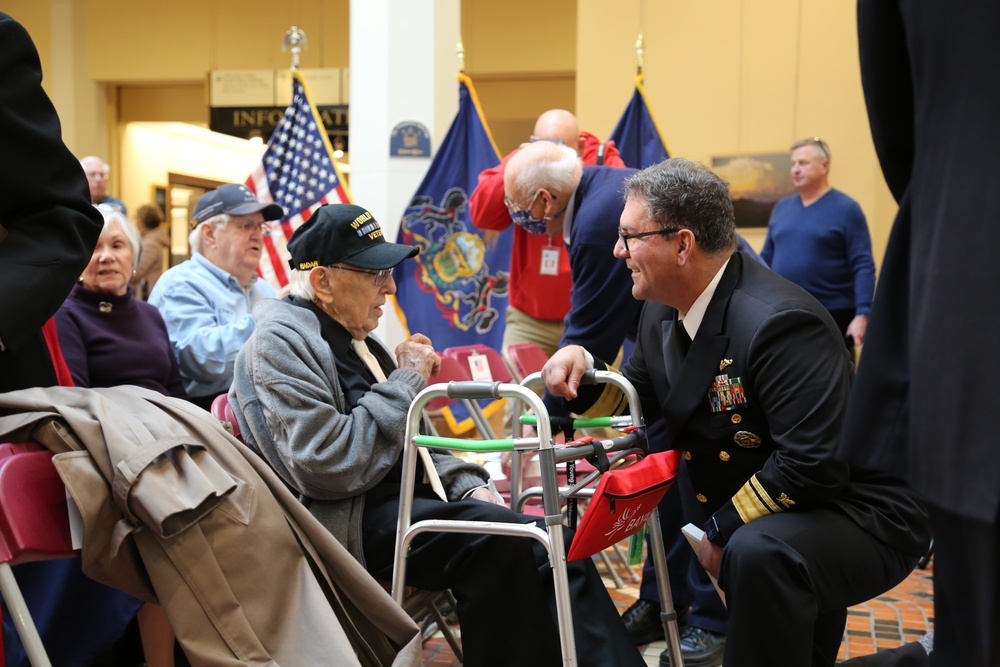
(294, 39)
(460, 53)
(638, 54)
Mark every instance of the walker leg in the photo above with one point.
(667, 615)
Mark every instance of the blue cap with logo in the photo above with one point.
(234, 199)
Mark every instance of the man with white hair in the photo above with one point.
(539, 265)
(206, 300)
(98, 171)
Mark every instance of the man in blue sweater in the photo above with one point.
(819, 240)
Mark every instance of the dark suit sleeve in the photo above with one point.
(603, 309)
(49, 227)
(888, 86)
(801, 381)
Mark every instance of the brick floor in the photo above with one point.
(901, 615)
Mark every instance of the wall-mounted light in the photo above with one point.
(255, 139)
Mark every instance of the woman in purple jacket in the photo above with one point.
(110, 338)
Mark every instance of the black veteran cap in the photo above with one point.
(344, 233)
(234, 199)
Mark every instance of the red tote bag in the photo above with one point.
(622, 502)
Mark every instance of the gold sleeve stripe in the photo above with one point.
(753, 502)
(612, 400)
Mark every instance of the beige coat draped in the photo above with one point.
(177, 511)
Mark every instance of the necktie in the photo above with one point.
(430, 472)
(683, 339)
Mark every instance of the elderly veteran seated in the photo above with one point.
(325, 403)
(206, 300)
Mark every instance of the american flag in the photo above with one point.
(298, 172)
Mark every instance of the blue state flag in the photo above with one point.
(455, 291)
(637, 134)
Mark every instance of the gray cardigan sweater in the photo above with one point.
(290, 408)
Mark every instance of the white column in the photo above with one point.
(86, 109)
(403, 68)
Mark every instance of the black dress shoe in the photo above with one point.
(642, 620)
(699, 648)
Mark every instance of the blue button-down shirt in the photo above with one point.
(208, 319)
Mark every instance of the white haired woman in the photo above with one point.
(109, 337)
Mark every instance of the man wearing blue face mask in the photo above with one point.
(539, 265)
(549, 191)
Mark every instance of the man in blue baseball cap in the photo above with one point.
(206, 300)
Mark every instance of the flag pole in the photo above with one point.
(638, 55)
(294, 39)
(460, 54)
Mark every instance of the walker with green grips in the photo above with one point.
(549, 455)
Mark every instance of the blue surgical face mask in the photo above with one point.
(522, 216)
(531, 225)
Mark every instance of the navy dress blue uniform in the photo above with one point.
(755, 402)
(923, 396)
(603, 317)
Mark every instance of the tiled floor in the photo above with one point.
(901, 615)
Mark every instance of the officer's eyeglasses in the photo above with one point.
(638, 235)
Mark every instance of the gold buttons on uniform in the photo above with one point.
(686, 455)
(701, 498)
(747, 439)
(724, 456)
(737, 418)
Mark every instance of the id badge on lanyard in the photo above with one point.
(550, 260)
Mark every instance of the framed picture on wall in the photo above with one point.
(756, 183)
(160, 197)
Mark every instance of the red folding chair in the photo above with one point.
(524, 359)
(461, 370)
(498, 369)
(34, 525)
(222, 411)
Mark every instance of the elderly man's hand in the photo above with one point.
(483, 493)
(563, 370)
(417, 353)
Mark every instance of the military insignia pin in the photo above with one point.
(726, 394)
(724, 363)
(747, 439)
